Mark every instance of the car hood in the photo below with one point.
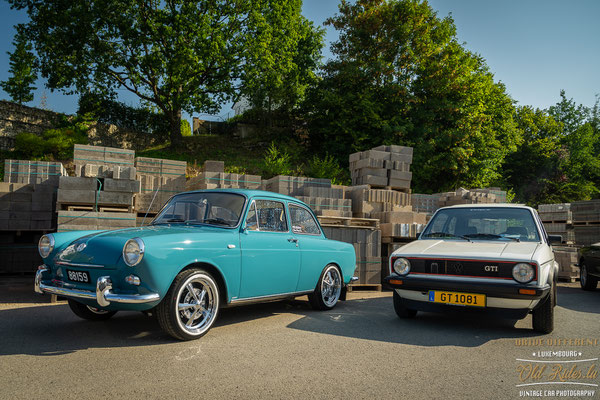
(479, 249)
(105, 247)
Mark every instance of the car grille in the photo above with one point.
(466, 268)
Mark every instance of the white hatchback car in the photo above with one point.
(492, 257)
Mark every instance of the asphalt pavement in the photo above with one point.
(281, 350)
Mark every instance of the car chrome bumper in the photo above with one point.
(103, 295)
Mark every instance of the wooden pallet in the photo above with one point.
(562, 221)
(79, 207)
(348, 222)
(586, 223)
(364, 286)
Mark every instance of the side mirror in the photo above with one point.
(555, 239)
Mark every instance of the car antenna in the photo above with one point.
(150, 206)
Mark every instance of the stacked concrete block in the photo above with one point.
(25, 207)
(34, 172)
(383, 166)
(96, 193)
(425, 203)
(160, 179)
(100, 162)
(150, 203)
(586, 221)
(401, 224)
(222, 180)
(91, 220)
(213, 166)
(367, 245)
(558, 220)
(500, 195)
(294, 185)
(567, 259)
(331, 207)
(366, 201)
(464, 196)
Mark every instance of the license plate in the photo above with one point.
(78, 276)
(456, 298)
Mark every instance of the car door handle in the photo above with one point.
(293, 240)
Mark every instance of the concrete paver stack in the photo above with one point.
(213, 176)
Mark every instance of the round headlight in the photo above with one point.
(133, 251)
(46, 245)
(523, 273)
(402, 266)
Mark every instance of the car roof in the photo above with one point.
(489, 205)
(250, 193)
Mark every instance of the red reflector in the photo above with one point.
(396, 282)
(526, 291)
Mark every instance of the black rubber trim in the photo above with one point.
(491, 289)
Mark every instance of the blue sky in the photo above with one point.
(535, 47)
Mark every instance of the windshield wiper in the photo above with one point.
(218, 221)
(492, 236)
(446, 234)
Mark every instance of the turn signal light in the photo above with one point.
(396, 282)
(526, 291)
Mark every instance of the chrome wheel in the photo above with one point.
(331, 286)
(197, 304)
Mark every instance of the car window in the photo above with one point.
(213, 208)
(271, 216)
(480, 223)
(303, 221)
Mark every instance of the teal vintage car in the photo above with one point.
(204, 250)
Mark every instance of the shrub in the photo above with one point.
(235, 169)
(54, 143)
(328, 168)
(186, 130)
(276, 162)
(29, 145)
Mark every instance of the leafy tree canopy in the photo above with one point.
(22, 70)
(401, 77)
(176, 55)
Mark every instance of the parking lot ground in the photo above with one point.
(358, 350)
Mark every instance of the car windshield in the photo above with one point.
(477, 223)
(213, 208)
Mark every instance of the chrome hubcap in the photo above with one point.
(331, 286)
(197, 304)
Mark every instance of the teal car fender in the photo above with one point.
(216, 248)
(317, 252)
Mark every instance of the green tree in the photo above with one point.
(22, 69)
(534, 167)
(177, 55)
(279, 83)
(569, 113)
(400, 77)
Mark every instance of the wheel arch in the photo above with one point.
(216, 273)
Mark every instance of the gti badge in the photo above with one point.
(491, 268)
(80, 246)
